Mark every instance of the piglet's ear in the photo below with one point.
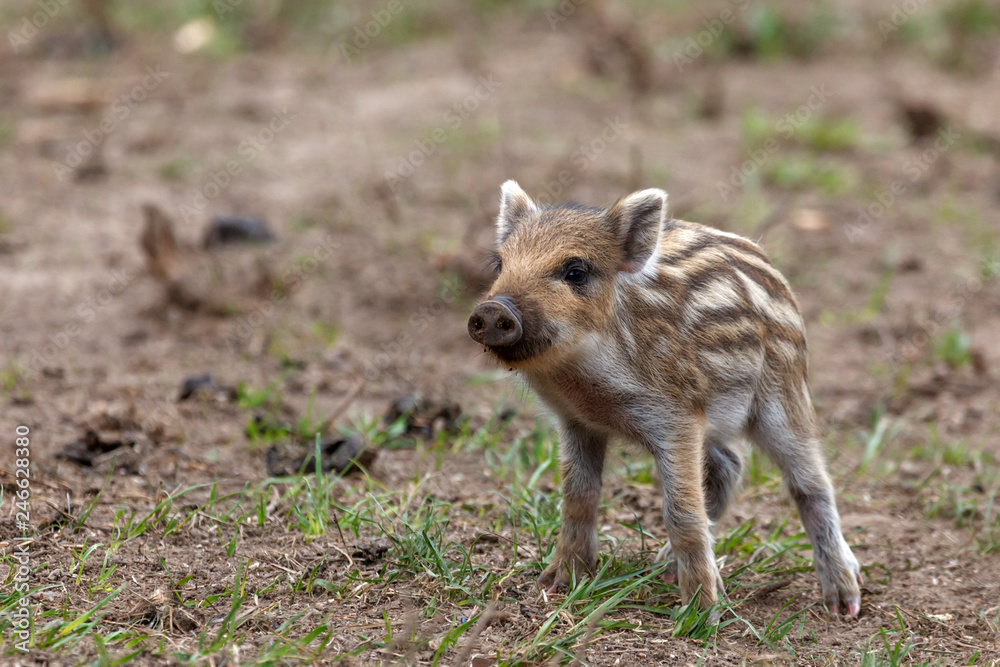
(515, 206)
(638, 221)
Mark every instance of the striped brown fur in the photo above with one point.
(681, 338)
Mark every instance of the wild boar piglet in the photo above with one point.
(678, 337)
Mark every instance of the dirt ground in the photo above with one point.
(873, 181)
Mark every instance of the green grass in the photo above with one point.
(778, 630)
(980, 236)
(773, 34)
(10, 376)
(756, 127)
(65, 630)
(326, 332)
(309, 24)
(951, 34)
(174, 170)
(7, 133)
(960, 484)
(890, 647)
(973, 17)
(248, 398)
(817, 133)
(969, 508)
(873, 306)
(953, 347)
(267, 425)
(769, 32)
(882, 432)
(820, 133)
(760, 471)
(803, 172)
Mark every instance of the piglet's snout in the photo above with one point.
(496, 323)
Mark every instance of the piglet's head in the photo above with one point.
(557, 268)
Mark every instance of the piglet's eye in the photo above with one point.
(576, 275)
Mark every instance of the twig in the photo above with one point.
(580, 655)
(774, 218)
(343, 552)
(767, 589)
(484, 621)
(344, 404)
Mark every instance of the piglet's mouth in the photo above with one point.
(514, 353)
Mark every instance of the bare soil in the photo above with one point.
(89, 338)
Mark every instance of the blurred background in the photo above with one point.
(228, 225)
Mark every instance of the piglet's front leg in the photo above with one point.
(678, 454)
(582, 457)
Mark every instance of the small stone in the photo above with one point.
(205, 384)
(227, 230)
(810, 220)
(370, 552)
